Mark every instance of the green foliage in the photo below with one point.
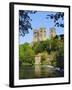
(61, 49)
(52, 47)
(57, 52)
(48, 45)
(43, 57)
(26, 54)
(25, 21)
(56, 17)
(60, 62)
(54, 55)
(39, 46)
(60, 57)
(42, 46)
(54, 44)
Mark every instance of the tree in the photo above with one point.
(56, 17)
(35, 47)
(26, 54)
(48, 45)
(42, 46)
(24, 21)
(54, 54)
(60, 57)
(21, 54)
(44, 57)
(60, 62)
(39, 46)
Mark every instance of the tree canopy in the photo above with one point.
(24, 21)
(26, 54)
(56, 17)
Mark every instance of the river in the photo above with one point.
(39, 71)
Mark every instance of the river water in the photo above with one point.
(39, 71)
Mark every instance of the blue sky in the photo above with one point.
(39, 20)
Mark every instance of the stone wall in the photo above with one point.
(48, 60)
(38, 59)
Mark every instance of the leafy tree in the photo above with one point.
(55, 44)
(57, 51)
(54, 54)
(21, 54)
(39, 46)
(48, 45)
(35, 47)
(24, 21)
(56, 17)
(26, 54)
(60, 62)
(60, 57)
(43, 57)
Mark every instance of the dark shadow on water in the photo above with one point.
(38, 71)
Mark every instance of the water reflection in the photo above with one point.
(38, 71)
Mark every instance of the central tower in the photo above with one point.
(39, 35)
(52, 32)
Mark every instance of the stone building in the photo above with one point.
(52, 32)
(39, 35)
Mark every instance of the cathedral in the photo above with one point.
(40, 35)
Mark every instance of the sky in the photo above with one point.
(39, 20)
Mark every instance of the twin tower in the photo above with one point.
(40, 35)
